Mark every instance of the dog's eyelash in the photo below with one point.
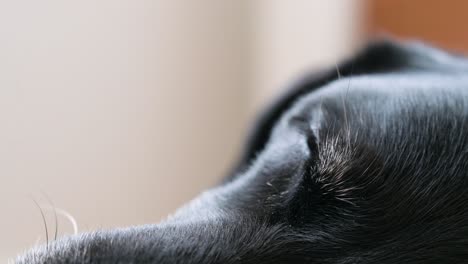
(312, 144)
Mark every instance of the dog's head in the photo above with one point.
(366, 163)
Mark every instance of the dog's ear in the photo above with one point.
(382, 56)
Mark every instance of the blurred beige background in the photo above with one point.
(121, 110)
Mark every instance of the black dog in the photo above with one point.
(364, 164)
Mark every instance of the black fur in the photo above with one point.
(367, 168)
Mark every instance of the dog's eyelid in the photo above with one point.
(309, 130)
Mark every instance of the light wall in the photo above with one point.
(292, 38)
(119, 111)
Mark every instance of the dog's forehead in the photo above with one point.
(402, 90)
(381, 103)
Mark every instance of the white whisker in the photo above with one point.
(338, 70)
(67, 215)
